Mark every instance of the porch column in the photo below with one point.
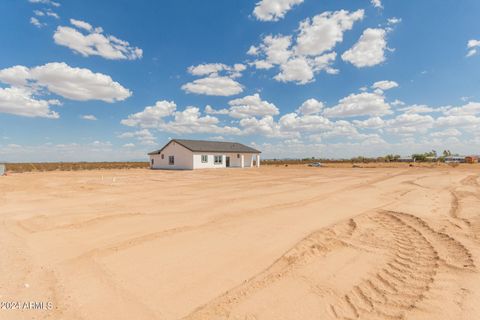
(258, 160)
(242, 161)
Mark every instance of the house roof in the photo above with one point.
(210, 146)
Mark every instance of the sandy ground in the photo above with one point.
(269, 243)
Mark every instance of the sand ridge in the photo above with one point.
(268, 243)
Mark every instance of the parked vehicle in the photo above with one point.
(315, 164)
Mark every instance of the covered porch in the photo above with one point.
(242, 160)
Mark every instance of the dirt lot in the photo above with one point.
(269, 243)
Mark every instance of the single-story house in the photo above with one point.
(199, 154)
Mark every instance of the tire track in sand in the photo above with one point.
(390, 290)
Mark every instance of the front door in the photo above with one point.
(227, 161)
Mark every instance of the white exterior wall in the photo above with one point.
(187, 160)
(183, 158)
(198, 164)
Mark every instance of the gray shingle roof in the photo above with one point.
(211, 146)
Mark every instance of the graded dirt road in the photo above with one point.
(268, 243)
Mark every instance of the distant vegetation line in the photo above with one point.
(72, 166)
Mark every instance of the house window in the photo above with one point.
(163, 156)
(153, 162)
(204, 158)
(218, 159)
(171, 160)
(238, 155)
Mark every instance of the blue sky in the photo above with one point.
(112, 80)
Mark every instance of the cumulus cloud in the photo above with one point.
(47, 2)
(369, 50)
(385, 85)
(376, 3)
(20, 101)
(27, 84)
(471, 108)
(410, 123)
(362, 104)
(310, 106)
(451, 132)
(37, 22)
(472, 46)
(214, 86)
(295, 70)
(89, 117)
(77, 83)
(89, 41)
(164, 116)
(302, 56)
(215, 68)
(459, 121)
(151, 116)
(324, 31)
(292, 122)
(265, 126)
(393, 21)
(219, 80)
(370, 123)
(251, 106)
(273, 10)
(144, 136)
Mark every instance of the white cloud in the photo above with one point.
(410, 123)
(129, 145)
(393, 21)
(214, 68)
(451, 132)
(214, 86)
(151, 116)
(94, 42)
(361, 104)
(48, 2)
(295, 123)
(77, 83)
(26, 84)
(310, 106)
(300, 58)
(295, 70)
(460, 121)
(82, 25)
(377, 3)
(144, 136)
(471, 108)
(90, 117)
(20, 101)
(385, 85)
(324, 31)
(276, 49)
(163, 116)
(251, 106)
(418, 109)
(37, 22)
(219, 80)
(265, 126)
(48, 13)
(273, 10)
(52, 14)
(369, 50)
(370, 123)
(472, 45)
(210, 110)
